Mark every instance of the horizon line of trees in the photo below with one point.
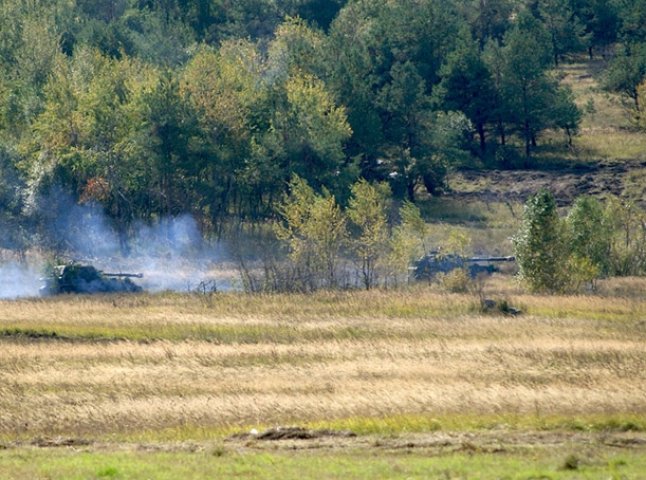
(208, 107)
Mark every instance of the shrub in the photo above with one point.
(589, 236)
(540, 246)
(455, 281)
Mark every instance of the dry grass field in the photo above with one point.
(417, 371)
(100, 367)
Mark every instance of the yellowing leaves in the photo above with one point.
(223, 86)
(322, 124)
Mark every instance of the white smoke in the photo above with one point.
(18, 280)
(171, 253)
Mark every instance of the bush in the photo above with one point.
(589, 237)
(455, 281)
(540, 246)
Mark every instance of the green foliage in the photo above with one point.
(467, 86)
(627, 71)
(296, 47)
(455, 281)
(407, 242)
(626, 222)
(488, 20)
(589, 235)
(592, 241)
(314, 229)
(640, 119)
(159, 108)
(582, 272)
(571, 462)
(13, 236)
(313, 130)
(527, 91)
(540, 247)
(457, 242)
(566, 30)
(319, 234)
(600, 19)
(368, 214)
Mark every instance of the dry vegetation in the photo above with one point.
(98, 367)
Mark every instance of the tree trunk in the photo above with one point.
(410, 190)
(482, 137)
(501, 131)
(528, 141)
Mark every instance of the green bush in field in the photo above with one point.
(627, 250)
(455, 281)
(368, 214)
(319, 234)
(540, 247)
(314, 229)
(594, 240)
(589, 233)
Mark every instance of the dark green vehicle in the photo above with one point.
(77, 278)
(429, 266)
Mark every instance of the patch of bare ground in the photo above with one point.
(516, 186)
(500, 441)
(437, 443)
(608, 156)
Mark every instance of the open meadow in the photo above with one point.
(409, 384)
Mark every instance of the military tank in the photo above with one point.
(79, 278)
(427, 267)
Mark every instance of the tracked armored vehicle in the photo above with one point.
(77, 278)
(427, 267)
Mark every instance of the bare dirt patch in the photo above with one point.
(501, 441)
(438, 443)
(566, 184)
(292, 433)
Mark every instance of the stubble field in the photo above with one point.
(417, 376)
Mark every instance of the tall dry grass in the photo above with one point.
(120, 365)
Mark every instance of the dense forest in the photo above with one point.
(152, 109)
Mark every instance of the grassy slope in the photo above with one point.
(608, 157)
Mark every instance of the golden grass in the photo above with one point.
(606, 130)
(327, 357)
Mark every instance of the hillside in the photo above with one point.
(608, 157)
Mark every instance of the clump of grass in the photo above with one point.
(108, 472)
(571, 462)
(455, 281)
(218, 451)
(497, 306)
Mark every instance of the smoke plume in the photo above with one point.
(171, 253)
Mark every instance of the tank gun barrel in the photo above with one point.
(123, 275)
(490, 259)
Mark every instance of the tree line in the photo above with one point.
(153, 109)
(594, 240)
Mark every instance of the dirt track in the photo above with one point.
(435, 443)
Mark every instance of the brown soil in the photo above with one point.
(292, 433)
(565, 184)
(449, 442)
(436, 443)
